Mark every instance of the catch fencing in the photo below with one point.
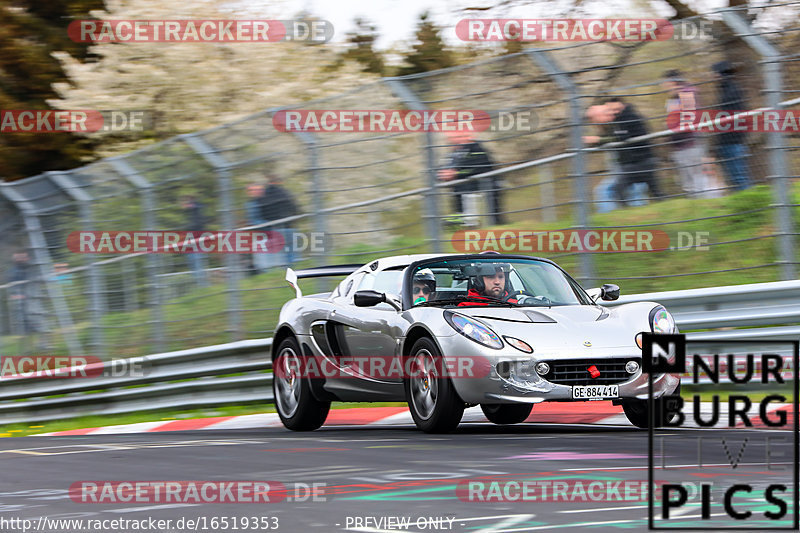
(377, 194)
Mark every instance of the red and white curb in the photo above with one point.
(600, 413)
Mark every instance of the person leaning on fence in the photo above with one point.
(731, 147)
(686, 147)
(636, 159)
(469, 158)
(604, 191)
(277, 203)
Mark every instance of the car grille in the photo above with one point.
(575, 371)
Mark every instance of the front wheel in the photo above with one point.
(639, 415)
(296, 405)
(432, 399)
(506, 413)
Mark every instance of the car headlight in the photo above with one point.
(473, 330)
(661, 321)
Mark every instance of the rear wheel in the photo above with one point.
(296, 405)
(506, 413)
(432, 399)
(639, 415)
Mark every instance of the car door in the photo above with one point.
(368, 337)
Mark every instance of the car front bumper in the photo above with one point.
(532, 388)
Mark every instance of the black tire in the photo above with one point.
(503, 414)
(639, 416)
(296, 405)
(433, 402)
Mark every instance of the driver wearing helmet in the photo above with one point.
(424, 286)
(489, 281)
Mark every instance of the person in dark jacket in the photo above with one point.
(467, 159)
(252, 207)
(731, 147)
(18, 294)
(636, 159)
(195, 222)
(277, 203)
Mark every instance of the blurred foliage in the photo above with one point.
(429, 52)
(186, 86)
(363, 47)
(31, 31)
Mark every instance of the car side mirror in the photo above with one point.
(609, 292)
(368, 298)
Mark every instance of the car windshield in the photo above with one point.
(495, 282)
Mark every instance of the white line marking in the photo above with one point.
(167, 506)
(510, 521)
(605, 509)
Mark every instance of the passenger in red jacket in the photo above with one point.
(487, 285)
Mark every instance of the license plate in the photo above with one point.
(595, 392)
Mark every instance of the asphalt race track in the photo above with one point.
(385, 479)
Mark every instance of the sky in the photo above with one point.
(396, 19)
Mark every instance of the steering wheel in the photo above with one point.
(543, 299)
(517, 293)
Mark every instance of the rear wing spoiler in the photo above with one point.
(317, 272)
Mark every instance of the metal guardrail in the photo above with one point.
(199, 377)
(183, 379)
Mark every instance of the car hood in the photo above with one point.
(560, 327)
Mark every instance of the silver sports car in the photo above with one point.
(447, 331)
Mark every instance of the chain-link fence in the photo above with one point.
(375, 194)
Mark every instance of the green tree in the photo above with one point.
(362, 47)
(31, 31)
(429, 52)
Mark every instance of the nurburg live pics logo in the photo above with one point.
(666, 354)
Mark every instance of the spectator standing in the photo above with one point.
(604, 191)
(277, 203)
(195, 222)
(255, 199)
(18, 294)
(731, 147)
(467, 159)
(636, 159)
(686, 146)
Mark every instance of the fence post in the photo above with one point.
(412, 101)
(547, 193)
(224, 179)
(96, 292)
(145, 190)
(580, 186)
(779, 171)
(42, 258)
(317, 199)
